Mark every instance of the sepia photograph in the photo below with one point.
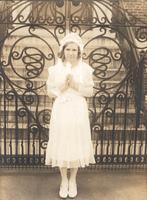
(73, 99)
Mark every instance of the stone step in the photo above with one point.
(42, 107)
(38, 80)
(24, 37)
(22, 75)
(33, 147)
(23, 127)
(108, 120)
(21, 69)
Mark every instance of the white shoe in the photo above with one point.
(72, 190)
(63, 192)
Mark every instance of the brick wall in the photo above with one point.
(137, 8)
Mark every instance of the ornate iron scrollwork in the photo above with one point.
(30, 39)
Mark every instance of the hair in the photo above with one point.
(61, 53)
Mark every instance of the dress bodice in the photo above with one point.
(82, 74)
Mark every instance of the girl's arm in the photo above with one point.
(54, 86)
(85, 88)
(51, 84)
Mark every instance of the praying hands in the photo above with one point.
(69, 83)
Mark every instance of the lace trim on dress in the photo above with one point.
(70, 164)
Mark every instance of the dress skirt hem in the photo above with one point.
(70, 164)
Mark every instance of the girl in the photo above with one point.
(70, 146)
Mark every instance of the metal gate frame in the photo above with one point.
(117, 112)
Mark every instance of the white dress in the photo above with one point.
(70, 142)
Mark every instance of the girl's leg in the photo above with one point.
(72, 183)
(63, 192)
(64, 178)
(73, 174)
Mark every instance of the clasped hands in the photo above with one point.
(69, 83)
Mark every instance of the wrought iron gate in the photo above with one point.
(115, 46)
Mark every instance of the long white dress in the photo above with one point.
(70, 142)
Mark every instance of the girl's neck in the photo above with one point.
(73, 64)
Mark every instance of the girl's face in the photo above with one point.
(71, 52)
